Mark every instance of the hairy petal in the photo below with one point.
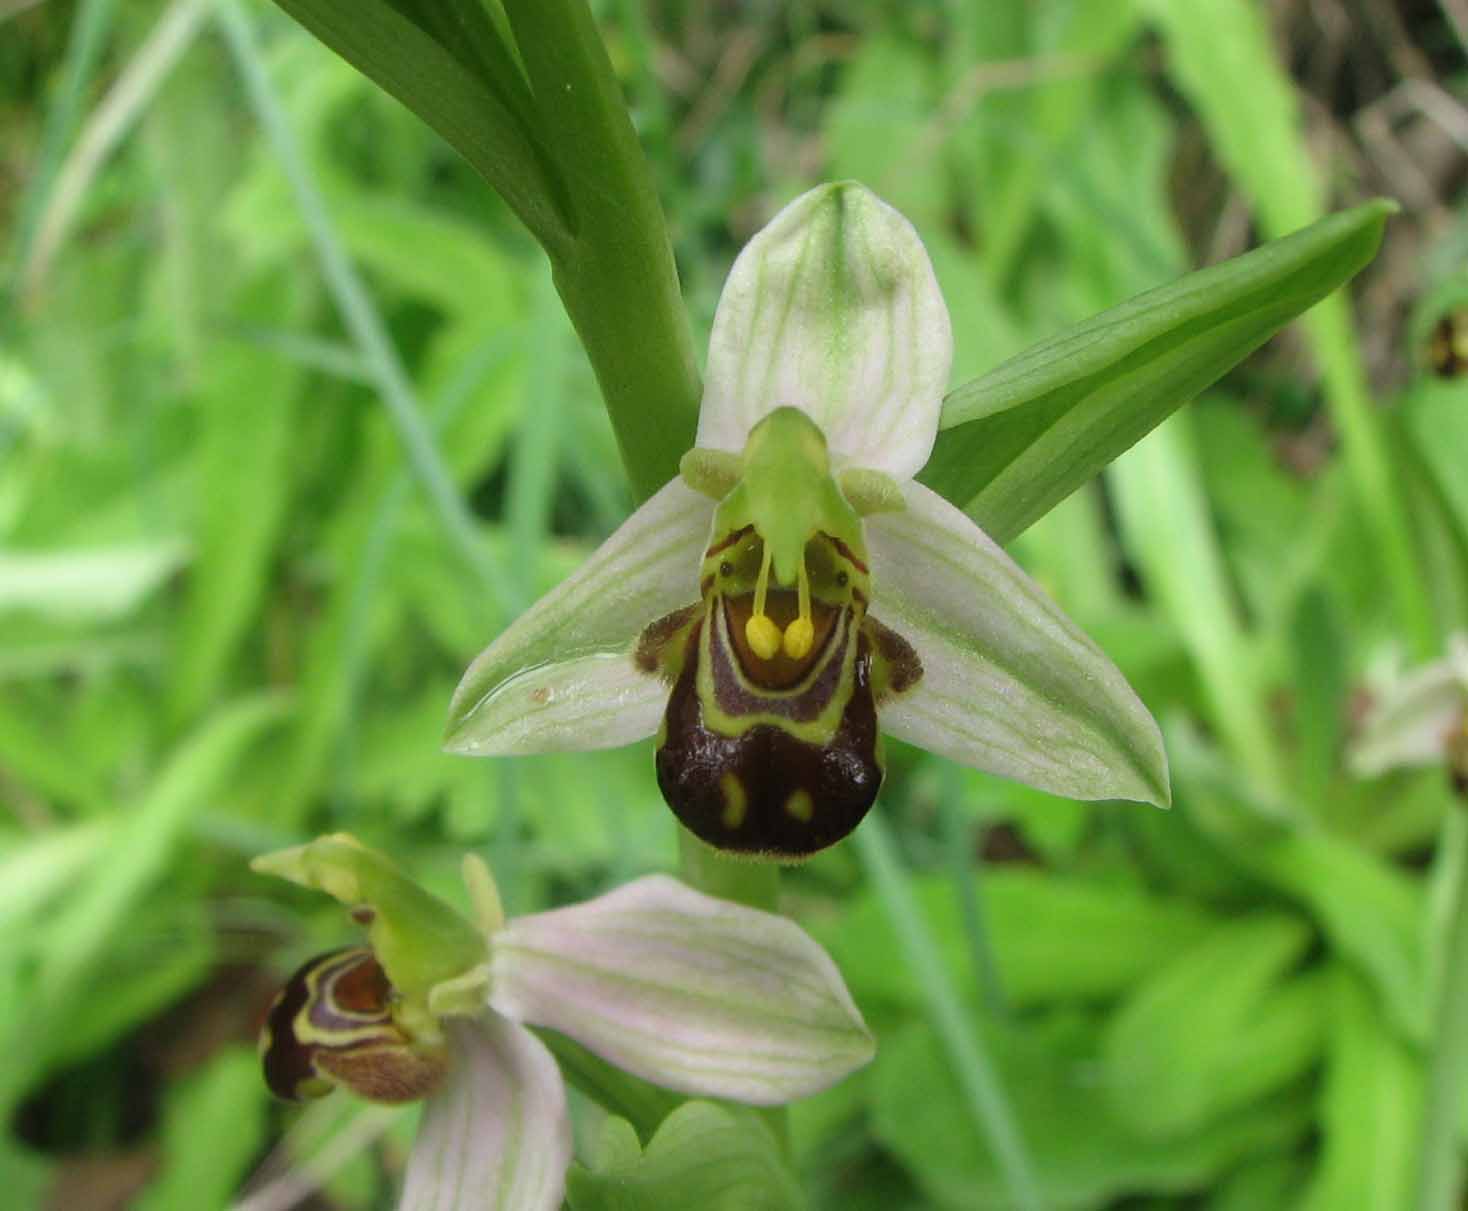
(1009, 683)
(561, 677)
(496, 1137)
(833, 308)
(685, 990)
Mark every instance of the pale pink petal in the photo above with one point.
(685, 990)
(496, 1137)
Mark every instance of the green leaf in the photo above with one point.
(1085, 1156)
(1024, 436)
(1371, 912)
(467, 107)
(213, 1128)
(718, 1158)
(1055, 937)
(1371, 1110)
(1215, 1029)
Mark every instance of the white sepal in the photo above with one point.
(496, 1136)
(1414, 715)
(1010, 684)
(685, 990)
(832, 308)
(562, 677)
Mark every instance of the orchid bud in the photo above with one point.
(333, 1024)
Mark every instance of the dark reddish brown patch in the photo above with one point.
(841, 777)
(362, 988)
(902, 667)
(802, 706)
(655, 637)
(727, 541)
(1445, 345)
(845, 552)
(780, 672)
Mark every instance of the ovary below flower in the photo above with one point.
(703, 996)
(795, 586)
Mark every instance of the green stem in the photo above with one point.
(1371, 472)
(1441, 1171)
(754, 883)
(618, 281)
(972, 1066)
(958, 839)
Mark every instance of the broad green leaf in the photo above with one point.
(1024, 436)
(425, 75)
(1371, 1108)
(1084, 1155)
(213, 1127)
(717, 1158)
(1371, 912)
(78, 936)
(1055, 937)
(1216, 1028)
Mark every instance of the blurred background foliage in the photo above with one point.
(231, 615)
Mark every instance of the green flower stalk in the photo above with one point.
(696, 994)
(794, 592)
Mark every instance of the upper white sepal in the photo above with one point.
(833, 308)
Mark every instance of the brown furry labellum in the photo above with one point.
(332, 1024)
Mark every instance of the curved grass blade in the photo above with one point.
(1023, 437)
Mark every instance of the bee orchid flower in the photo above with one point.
(793, 593)
(690, 992)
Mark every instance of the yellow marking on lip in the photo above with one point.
(736, 802)
(801, 806)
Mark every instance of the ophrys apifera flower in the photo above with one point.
(794, 592)
(697, 994)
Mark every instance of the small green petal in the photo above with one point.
(419, 940)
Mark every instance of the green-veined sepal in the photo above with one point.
(562, 676)
(1009, 683)
(832, 308)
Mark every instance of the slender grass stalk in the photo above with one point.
(963, 865)
(972, 1066)
(106, 128)
(359, 314)
(1440, 1176)
(88, 38)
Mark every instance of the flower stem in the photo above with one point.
(618, 280)
(1440, 1176)
(756, 884)
(972, 1066)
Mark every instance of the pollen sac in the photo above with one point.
(332, 1024)
(773, 748)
